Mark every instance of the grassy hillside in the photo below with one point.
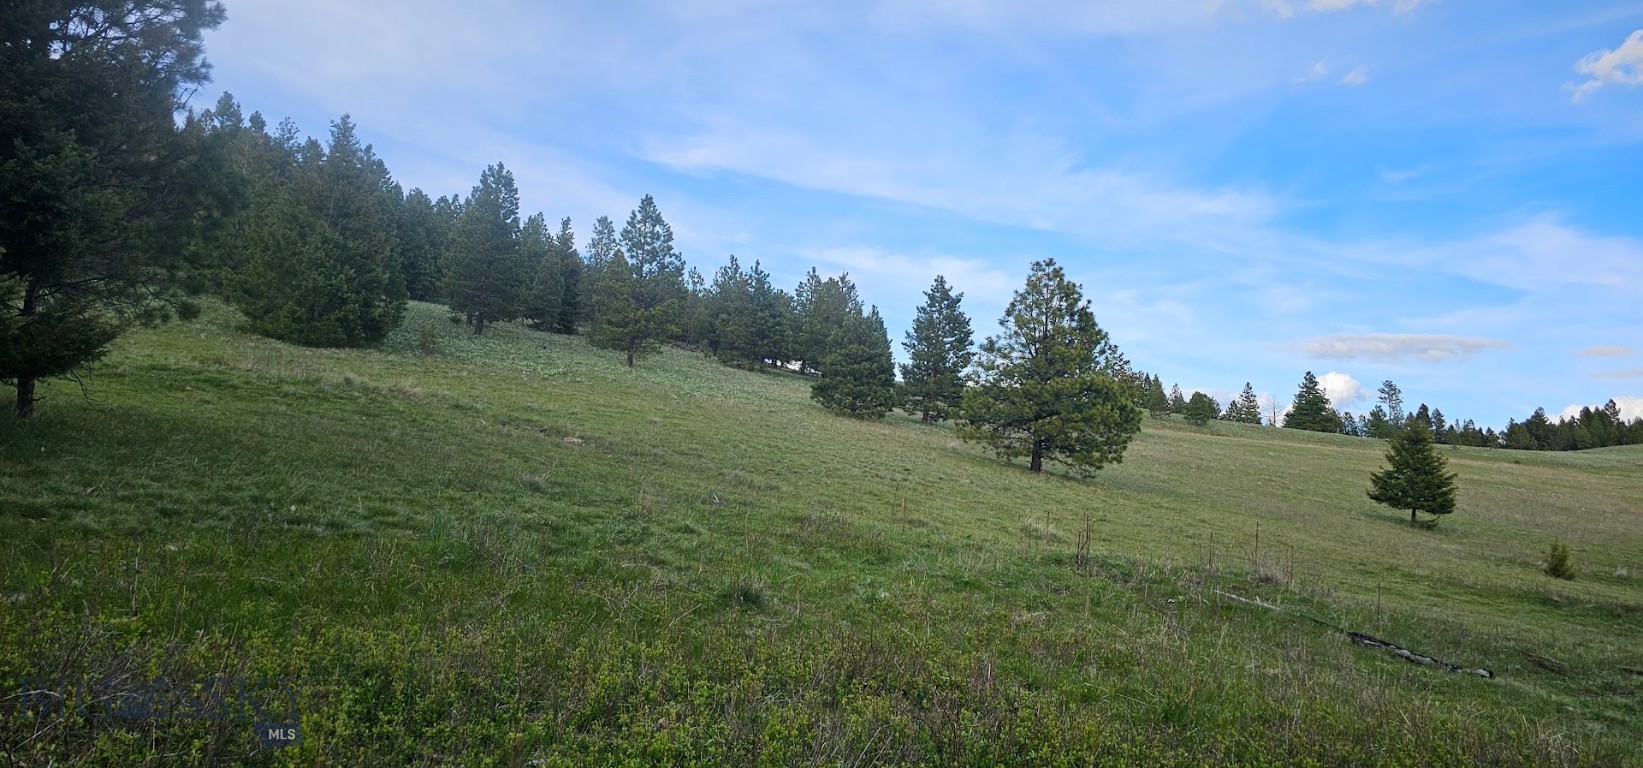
(512, 550)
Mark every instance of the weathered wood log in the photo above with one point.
(1368, 640)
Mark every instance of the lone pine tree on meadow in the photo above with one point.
(1312, 410)
(1045, 389)
(1416, 479)
(939, 351)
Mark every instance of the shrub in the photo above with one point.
(1558, 561)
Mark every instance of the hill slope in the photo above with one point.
(512, 549)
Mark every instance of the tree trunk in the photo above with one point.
(479, 326)
(1412, 518)
(25, 384)
(25, 396)
(1038, 456)
(925, 419)
(630, 357)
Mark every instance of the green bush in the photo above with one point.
(1558, 563)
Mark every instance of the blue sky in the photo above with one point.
(1447, 194)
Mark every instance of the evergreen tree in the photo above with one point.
(421, 236)
(731, 335)
(1249, 407)
(772, 309)
(318, 264)
(602, 247)
(1392, 399)
(1377, 425)
(821, 307)
(1201, 409)
(1416, 478)
(1312, 410)
(1043, 392)
(858, 376)
(1157, 401)
(1177, 402)
(544, 301)
(571, 275)
(657, 285)
(1440, 427)
(939, 351)
(487, 273)
(1423, 415)
(621, 325)
(99, 184)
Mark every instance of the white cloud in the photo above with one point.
(1605, 350)
(1635, 373)
(1621, 66)
(1630, 408)
(1397, 347)
(1356, 77)
(1342, 389)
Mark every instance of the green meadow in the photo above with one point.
(512, 550)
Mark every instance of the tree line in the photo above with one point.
(118, 204)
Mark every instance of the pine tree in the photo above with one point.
(939, 351)
(1201, 409)
(602, 247)
(772, 309)
(1043, 392)
(487, 273)
(621, 325)
(821, 307)
(731, 334)
(1392, 399)
(1177, 402)
(1157, 400)
(99, 185)
(317, 259)
(571, 275)
(657, 285)
(539, 252)
(1377, 425)
(1416, 478)
(858, 376)
(421, 236)
(1248, 406)
(1312, 410)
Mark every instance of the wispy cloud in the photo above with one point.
(1397, 347)
(1605, 350)
(1356, 77)
(1318, 72)
(1634, 373)
(1621, 66)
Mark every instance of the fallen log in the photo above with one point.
(1368, 640)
